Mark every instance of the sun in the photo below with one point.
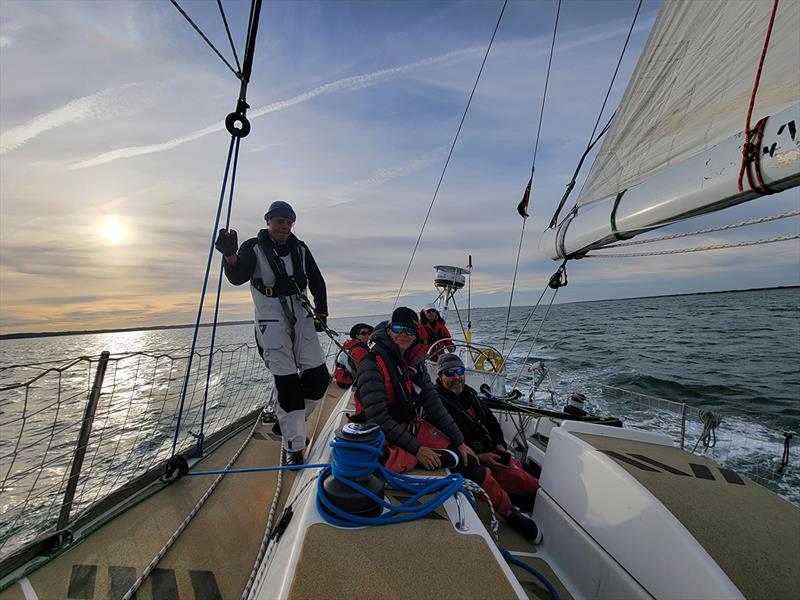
(113, 231)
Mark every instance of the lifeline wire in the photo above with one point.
(533, 170)
(449, 155)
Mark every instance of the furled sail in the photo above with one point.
(674, 149)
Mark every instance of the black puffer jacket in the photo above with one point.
(481, 432)
(371, 387)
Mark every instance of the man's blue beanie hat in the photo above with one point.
(279, 208)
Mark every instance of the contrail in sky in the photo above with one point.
(106, 104)
(348, 83)
(580, 38)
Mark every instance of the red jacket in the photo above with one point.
(358, 350)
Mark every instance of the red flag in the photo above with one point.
(522, 207)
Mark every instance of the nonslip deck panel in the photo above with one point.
(416, 560)
(751, 533)
(214, 555)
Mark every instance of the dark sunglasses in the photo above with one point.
(454, 371)
(398, 329)
(364, 332)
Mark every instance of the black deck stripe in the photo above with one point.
(205, 585)
(629, 460)
(164, 584)
(259, 436)
(660, 465)
(731, 476)
(702, 472)
(81, 582)
(120, 581)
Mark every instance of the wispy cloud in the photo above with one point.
(106, 104)
(351, 192)
(340, 85)
(5, 40)
(579, 38)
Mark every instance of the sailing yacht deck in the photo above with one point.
(214, 555)
(752, 534)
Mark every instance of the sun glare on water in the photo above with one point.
(113, 231)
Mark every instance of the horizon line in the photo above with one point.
(23, 335)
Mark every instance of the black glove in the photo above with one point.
(320, 321)
(227, 242)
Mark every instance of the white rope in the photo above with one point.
(673, 236)
(783, 238)
(251, 581)
(165, 548)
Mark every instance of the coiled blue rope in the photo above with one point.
(358, 460)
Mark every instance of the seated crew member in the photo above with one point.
(432, 328)
(498, 473)
(400, 398)
(345, 363)
(278, 267)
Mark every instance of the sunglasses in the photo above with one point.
(364, 332)
(398, 329)
(454, 371)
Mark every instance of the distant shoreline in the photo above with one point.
(17, 336)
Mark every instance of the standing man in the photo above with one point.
(279, 267)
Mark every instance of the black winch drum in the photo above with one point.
(345, 498)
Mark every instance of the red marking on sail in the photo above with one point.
(522, 207)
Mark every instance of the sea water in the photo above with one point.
(735, 354)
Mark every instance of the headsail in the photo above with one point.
(683, 112)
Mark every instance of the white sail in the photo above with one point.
(685, 108)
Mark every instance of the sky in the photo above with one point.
(113, 149)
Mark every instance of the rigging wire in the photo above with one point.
(782, 238)
(571, 184)
(203, 35)
(672, 236)
(449, 155)
(230, 38)
(533, 170)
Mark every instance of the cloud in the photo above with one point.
(346, 84)
(104, 105)
(5, 41)
(581, 38)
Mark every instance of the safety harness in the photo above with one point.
(285, 285)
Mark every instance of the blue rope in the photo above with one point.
(202, 296)
(357, 460)
(201, 436)
(522, 565)
(260, 469)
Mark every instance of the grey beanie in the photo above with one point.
(279, 208)
(449, 361)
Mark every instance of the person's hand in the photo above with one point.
(428, 458)
(501, 448)
(227, 242)
(320, 321)
(491, 460)
(465, 452)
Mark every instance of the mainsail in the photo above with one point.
(674, 149)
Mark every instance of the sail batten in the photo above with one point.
(692, 86)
